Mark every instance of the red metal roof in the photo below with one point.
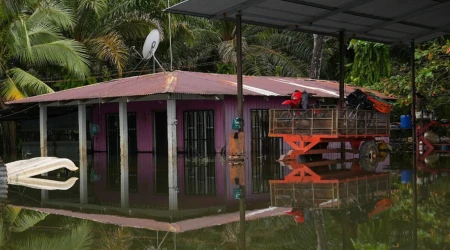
(185, 82)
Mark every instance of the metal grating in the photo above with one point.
(329, 122)
(199, 160)
(265, 151)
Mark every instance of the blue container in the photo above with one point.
(445, 147)
(407, 176)
(405, 121)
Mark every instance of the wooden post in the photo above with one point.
(83, 153)
(43, 141)
(124, 178)
(172, 150)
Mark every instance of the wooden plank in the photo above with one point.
(235, 156)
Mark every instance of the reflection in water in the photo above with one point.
(358, 227)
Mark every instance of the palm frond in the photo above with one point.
(67, 54)
(52, 12)
(16, 37)
(278, 62)
(13, 7)
(9, 90)
(120, 238)
(99, 7)
(26, 219)
(28, 84)
(133, 25)
(110, 48)
(11, 213)
(43, 34)
(79, 238)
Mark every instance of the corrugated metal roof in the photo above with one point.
(387, 21)
(195, 83)
(179, 227)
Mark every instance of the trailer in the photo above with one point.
(312, 183)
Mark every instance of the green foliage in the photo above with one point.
(395, 226)
(32, 42)
(370, 64)
(74, 83)
(78, 238)
(432, 64)
(360, 246)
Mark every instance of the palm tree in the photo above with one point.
(31, 40)
(32, 46)
(265, 51)
(15, 234)
(108, 28)
(15, 220)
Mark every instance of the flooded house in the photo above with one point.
(160, 140)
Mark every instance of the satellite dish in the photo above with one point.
(151, 44)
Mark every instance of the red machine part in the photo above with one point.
(381, 206)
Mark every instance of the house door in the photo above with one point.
(161, 153)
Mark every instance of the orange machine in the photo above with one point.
(379, 104)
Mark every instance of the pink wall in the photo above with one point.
(144, 121)
(225, 111)
(144, 114)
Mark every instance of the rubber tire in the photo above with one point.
(369, 155)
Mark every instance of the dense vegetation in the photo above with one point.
(49, 45)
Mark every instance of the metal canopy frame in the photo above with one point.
(385, 21)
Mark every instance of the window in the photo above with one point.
(265, 152)
(113, 144)
(200, 153)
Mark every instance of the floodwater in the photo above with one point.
(364, 226)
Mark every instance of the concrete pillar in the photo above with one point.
(124, 179)
(82, 131)
(172, 149)
(43, 141)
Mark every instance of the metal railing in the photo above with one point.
(328, 122)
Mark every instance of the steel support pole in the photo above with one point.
(82, 147)
(341, 83)
(172, 153)
(414, 142)
(341, 67)
(241, 115)
(124, 170)
(43, 142)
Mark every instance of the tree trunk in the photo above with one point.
(322, 242)
(316, 61)
(12, 138)
(9, 134)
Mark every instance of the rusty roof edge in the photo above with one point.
(171, 82)
(177, 227)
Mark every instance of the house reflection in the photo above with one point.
(148, 181)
